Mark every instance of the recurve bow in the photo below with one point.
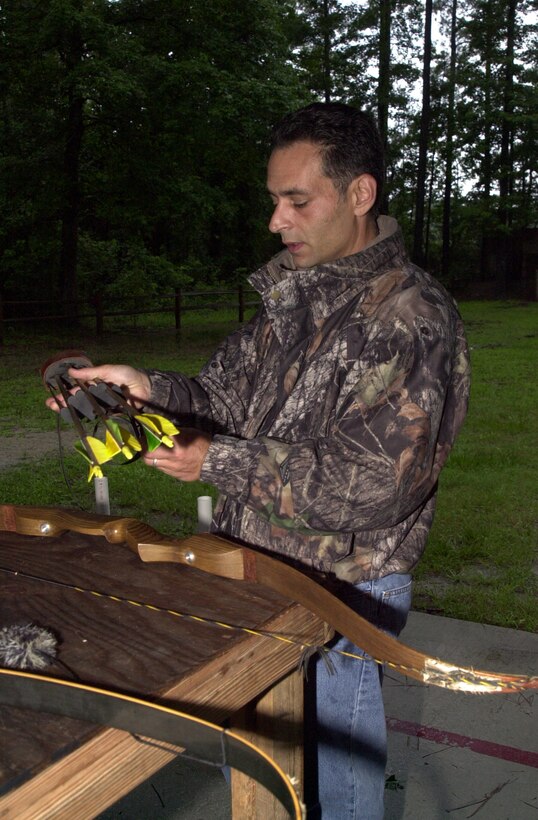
(219, 556)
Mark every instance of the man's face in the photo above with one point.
(315, 222)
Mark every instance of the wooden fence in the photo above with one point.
(179, 302)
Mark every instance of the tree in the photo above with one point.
(333, 49)
(59, 55)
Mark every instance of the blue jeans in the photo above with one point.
(348, 730)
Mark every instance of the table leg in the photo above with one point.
(274, 722)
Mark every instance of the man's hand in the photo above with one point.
(136, 384)
(184, 460)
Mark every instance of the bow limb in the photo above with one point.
(198, 738)
(211, 553)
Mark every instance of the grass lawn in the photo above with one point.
(481, 563)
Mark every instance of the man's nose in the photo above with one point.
(280, 219)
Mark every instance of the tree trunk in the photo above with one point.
(71, 55)
(71, 211)
(488, 131)
(447, 198)
(327, 80)
(418, 243)
(506, 170)
(429, 209)
(383, 85)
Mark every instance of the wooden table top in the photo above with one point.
(201, 668)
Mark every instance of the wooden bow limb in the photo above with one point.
(216, 555)
(198, 739)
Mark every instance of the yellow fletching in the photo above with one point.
(102, 451)
(106, 450)
(129, 440)
(119, 439)
(94, 472)
(158, 424)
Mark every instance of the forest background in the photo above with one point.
(134, 135)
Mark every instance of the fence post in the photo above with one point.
(241, 297)
(98, 302)
(178, 305)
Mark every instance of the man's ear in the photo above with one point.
(364, 191)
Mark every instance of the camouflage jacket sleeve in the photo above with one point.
(217, 400)
(375, 459)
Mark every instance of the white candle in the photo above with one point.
(205, 512)
(102, 500)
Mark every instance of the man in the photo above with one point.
(325, 421)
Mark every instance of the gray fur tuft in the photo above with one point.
(27, 646)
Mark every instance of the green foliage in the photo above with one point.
(127, 276)
(332, 43)
(135, 132)
(176, 102)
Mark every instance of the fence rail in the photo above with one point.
(13, 311)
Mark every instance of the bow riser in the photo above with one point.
(208, 553)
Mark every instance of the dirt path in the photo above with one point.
(20, 448)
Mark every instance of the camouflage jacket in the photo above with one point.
(333, 410)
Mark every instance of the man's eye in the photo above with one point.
(299, 204)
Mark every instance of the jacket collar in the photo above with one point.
(326, 288)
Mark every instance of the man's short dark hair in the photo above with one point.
(349, 140)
